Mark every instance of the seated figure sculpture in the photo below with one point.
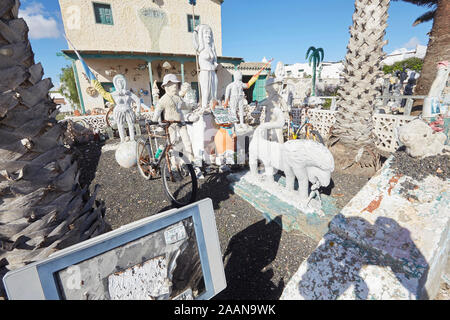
(306, 160)
(171, 105)
(122, 110)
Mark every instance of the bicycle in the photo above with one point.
(304, 131)
(178, 175)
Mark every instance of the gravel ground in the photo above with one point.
(259, 257)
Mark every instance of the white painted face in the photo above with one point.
(207, 36)
(171, 88)
(120, 83)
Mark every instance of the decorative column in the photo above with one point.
(182, 72)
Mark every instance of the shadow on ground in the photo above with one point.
(336, 264)
(247, 259)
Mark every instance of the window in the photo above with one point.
(103, 13)
(191, 27)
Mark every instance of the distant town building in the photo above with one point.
(139, 39)
(403, 54)
(329, 70)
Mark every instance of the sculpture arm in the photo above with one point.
(138, 103)
(157, 115)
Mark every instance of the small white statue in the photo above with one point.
(235, 97)
(207, 59)
(420, 140)
(305, 160)
(277, 111)
(171, 104)
(188, 95)
(123, 110)
(155, 93)
(435, 95)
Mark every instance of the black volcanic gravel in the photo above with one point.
(419, 169)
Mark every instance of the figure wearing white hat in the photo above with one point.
(171, 105)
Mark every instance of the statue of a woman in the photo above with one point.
(207, 59)
(122, 110)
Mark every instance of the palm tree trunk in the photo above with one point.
(362, 67)
(438, 47)
(314, 79)
(42, 207)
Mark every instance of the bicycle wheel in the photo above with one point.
(180, 183)
(144, 158)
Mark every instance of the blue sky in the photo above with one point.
(252, 29)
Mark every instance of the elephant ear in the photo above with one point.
(307, 153)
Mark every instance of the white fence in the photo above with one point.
(384, 125)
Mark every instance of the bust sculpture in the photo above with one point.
(123, 111)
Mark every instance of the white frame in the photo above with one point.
(36, 281)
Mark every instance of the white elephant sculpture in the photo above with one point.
(305, 160)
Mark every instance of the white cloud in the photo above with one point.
(41, 25)
(412, 43)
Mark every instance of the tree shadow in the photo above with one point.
(88, 156)
(249, 254)
(336, 264)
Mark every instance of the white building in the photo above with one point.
(330, 70)
(403, 53)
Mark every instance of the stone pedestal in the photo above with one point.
(391, 241)
(272, 199)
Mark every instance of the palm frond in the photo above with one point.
(423, 3)
(307, 52)
(322, 54)
(427, 16)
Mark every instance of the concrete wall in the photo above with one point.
(130, 32)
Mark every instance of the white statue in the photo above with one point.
(188, 96)
(171, 104)
(155, 93)
(207, 59)
(122, 110)
(280, 71)
(277, 111)
(435, 95)
(234, 95)
(305, 160)
(420, 140)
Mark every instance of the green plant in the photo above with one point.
(316, 57)
(68, 87)
(410, 63)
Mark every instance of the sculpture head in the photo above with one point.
(120, 83)
(273, 86)
(237, 76)
(204, 37)
(170, 84)
(316, 174)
